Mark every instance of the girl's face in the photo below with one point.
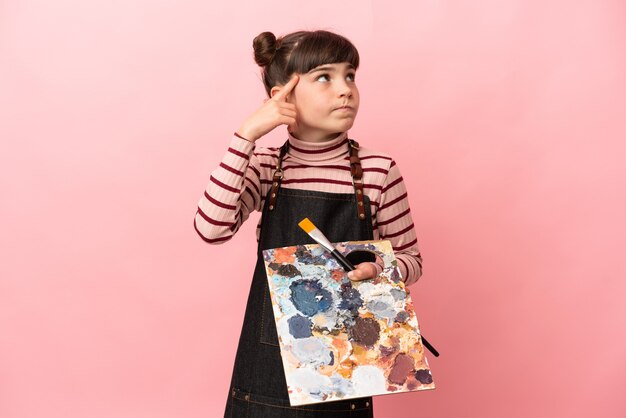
(319, 97)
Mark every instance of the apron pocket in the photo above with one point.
(268, 333)
(238, 408)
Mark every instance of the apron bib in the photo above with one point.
(258, 388)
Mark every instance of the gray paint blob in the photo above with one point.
(397, 294)
(300, 326)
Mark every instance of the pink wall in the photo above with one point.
(507, 118)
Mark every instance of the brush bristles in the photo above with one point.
(306, 225)
(316, 234)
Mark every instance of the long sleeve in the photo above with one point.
(233, 192)
(239, 184)
(395, 224)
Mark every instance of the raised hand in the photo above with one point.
(274, 112)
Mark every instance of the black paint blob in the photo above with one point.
(424, 376)
(309, 297)
(288, 270)
(304, 256)
(274, 266)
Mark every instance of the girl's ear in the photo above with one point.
(275, 90)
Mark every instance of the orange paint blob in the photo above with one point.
(337, 275)
(285, 255)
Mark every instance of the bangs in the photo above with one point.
(321, 48)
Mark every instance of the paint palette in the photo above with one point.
(341, 339)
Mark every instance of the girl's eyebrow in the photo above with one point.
(327, 68)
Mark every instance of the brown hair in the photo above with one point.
(299, 52)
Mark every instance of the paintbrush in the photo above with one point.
(321, 239)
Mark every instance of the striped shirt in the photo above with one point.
(240, 184)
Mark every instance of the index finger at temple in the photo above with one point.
(282, 94)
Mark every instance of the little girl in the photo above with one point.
(350, 192)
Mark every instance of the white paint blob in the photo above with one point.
(343, 387)
(369, 379)
(282, 326)
(311, 351)
(311, 383)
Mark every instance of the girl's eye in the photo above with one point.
(351, 75)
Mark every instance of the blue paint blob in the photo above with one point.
(309, 297)
(300, 326)
(350, 299)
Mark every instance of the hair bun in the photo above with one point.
(265, 46)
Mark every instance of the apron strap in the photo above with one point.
(357, 176)
(355, 170)
(278, 175)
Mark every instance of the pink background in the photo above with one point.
(507, 119)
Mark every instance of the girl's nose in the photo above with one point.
(344, 89)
